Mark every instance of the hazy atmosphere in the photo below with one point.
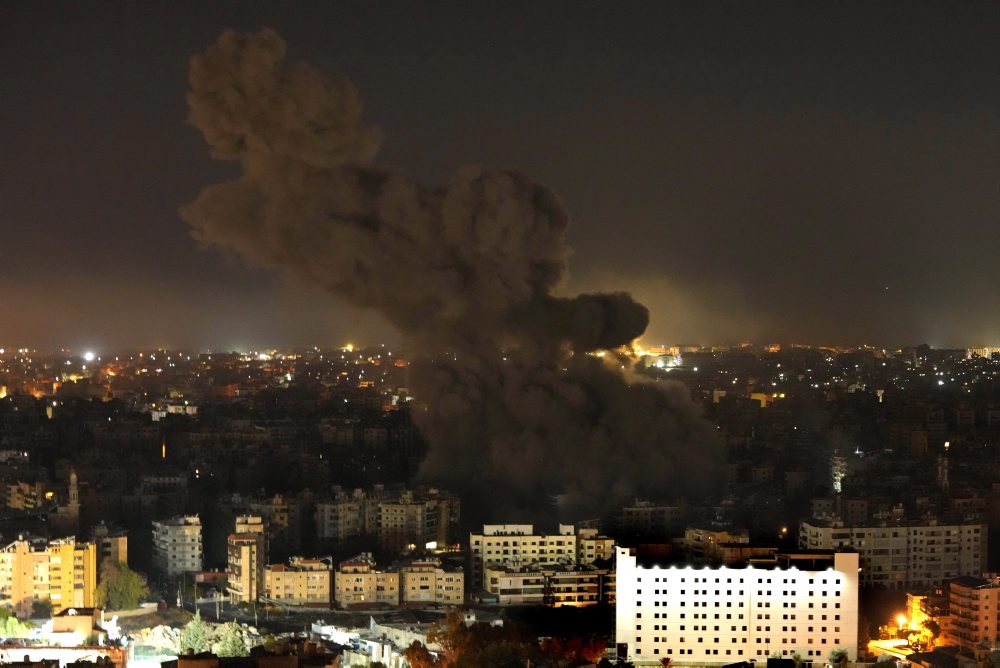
(836, 187)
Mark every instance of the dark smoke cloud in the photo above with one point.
(514, 408)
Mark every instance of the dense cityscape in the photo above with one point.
(351, 335)
(288, 483)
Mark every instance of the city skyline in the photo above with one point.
(703, 164)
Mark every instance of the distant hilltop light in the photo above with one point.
(89, 356)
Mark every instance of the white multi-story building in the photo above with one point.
(518, 545)
(898, 554)
(177, 545)
(794, 604)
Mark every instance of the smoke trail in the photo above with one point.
(514, 409)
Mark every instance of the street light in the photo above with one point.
(901, 621)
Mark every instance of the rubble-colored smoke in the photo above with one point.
(515, 410)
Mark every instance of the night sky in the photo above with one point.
(803, 172)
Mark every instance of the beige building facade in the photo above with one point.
(246, 553)
(357, 582)
(973, 622)
(303, 582)
(427, 583)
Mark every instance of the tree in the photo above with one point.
(418, 656)
(231, 642)
(195, 635)
(488, 646)
(121, 588)
(933, 628)
(11, 626)
(838, 656)
(575, 649)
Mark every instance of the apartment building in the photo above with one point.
(177, 546)
(973, 621)
(62, 571)
(304, 582)
(358, 582)
(246, 554)
(517, 545)
(26, 495)
(709, 545)
(426, 582)
(901, 553)
(283, 517)
(803, 604)
(550, 584)
(398, 518)
(645, 518)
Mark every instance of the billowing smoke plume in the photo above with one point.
(513, 407)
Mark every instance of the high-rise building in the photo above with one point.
(177, 546)
(246, 556)
(61, 571)
(803, 604)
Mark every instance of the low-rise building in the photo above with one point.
(552, 584)
(357, 582)
(305, 582)
(427, 582)
(518, 545)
